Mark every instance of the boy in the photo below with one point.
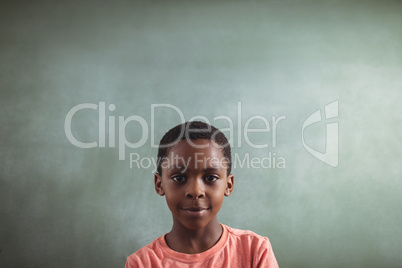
(193, 173)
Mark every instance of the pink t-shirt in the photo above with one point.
(235, 248)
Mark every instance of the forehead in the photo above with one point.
(197, 154)
(199, 146)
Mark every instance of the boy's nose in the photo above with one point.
(195, 189)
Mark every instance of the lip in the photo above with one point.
(195, 211)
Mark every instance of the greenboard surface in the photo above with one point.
(229, 62)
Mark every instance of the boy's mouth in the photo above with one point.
(195, 208)
(195, 211)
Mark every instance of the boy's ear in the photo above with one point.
(158, 185)
(229, 185)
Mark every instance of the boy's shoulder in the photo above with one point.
(246, 238)
(242, 233)
(146, 254)
(154, 246)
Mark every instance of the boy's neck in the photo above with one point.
(184, 240)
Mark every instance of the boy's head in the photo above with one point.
(191, 131)
(193, 173)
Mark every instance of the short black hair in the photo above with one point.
(193, 130)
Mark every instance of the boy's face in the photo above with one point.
(194, 181)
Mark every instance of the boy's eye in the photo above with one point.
(179, 178)
(211, 178)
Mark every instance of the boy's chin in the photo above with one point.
(194, 226)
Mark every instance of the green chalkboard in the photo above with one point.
(308, 92)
